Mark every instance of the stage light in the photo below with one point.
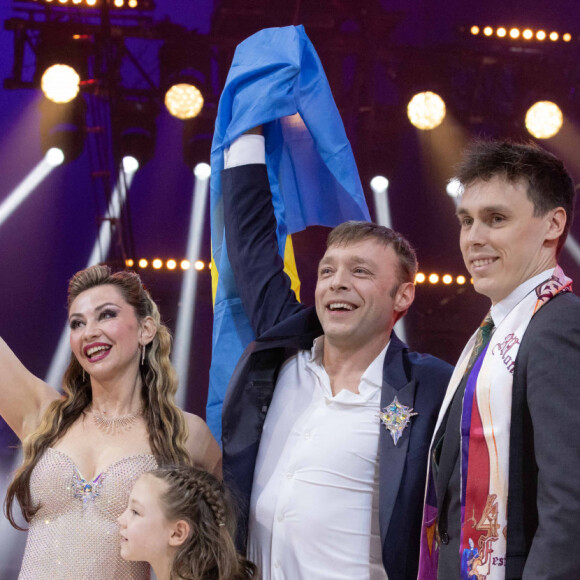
(426, 110)
(91, 2)
(184, 101)
(143, 263)
(460, 280)
(132, 3)
(60, 83)
(63, 127)
(202, 171)
(119, 3)
(475, 30)
(379, 184)
(54, 157)
(420, 278)
(541, 35)
(501, 32)
(527, 34)
(567, 37)
(554, 36)
(171, 264)
(544, 119)
(515, 33)
(199, 265)
(134, 122)
(447, 279)
(454, 188)
(433, 278)
(130, 164)
(185, 264)
(157, 263)
(129, 263)
(488, 31)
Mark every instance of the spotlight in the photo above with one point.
(488, 31)
(63, 127)
(460, 280)
(182, 79)
(527, 34)
(202, 171)
(130, 164)
(197, 137)
(171, 264)
(541, 35)
(544, 119)
(433, 278)
(567, 37)
(426, 110)
(143, 263)
(134, 123)
(501, 32)
(379, 184)
(420, 278)
(454, 188)
(475, 30)
(61, 64)
(199, 265)
(157, 263)
(184, 101)
(447, 279)
(554, 36)
(515, 33)
(185, 265)
(129, 263)
(60, 83)
(54, 157)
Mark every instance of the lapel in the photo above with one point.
(392, 458)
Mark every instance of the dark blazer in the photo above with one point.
(544, 464)
(283, 326)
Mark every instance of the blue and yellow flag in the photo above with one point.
(276, 79)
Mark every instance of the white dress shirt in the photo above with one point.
(314, 511)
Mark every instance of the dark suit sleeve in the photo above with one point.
(553, 395)
(250, 227)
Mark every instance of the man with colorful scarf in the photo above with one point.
(502, 497)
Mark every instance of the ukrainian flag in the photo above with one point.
(276, 79)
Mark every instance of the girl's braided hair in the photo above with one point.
(199, 498)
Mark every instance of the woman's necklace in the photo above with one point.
(115, 425)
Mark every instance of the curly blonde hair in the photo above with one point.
(165, 423)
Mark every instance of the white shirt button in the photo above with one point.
(280, 517)
(290, 475)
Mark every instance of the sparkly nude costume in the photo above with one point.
(75, 535)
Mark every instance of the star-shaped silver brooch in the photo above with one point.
(395, 417)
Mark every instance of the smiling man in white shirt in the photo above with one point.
(328, 415)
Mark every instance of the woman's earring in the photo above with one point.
(84, 376)
(142, 354)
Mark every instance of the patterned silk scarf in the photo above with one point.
(485, 430)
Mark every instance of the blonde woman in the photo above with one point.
(117, 420)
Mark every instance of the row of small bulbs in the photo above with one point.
(421, 278)
(516, 34)
(116, 3)
(158, 264)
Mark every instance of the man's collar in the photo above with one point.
(500, 310)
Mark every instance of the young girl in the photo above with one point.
(180, 520)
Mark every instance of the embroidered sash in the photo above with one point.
(484, 454)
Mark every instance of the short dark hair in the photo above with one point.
(354, 231)
(549, 184)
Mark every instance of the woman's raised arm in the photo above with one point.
(23, 397)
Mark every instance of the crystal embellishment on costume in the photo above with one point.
(86, 490)
(395, 417)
